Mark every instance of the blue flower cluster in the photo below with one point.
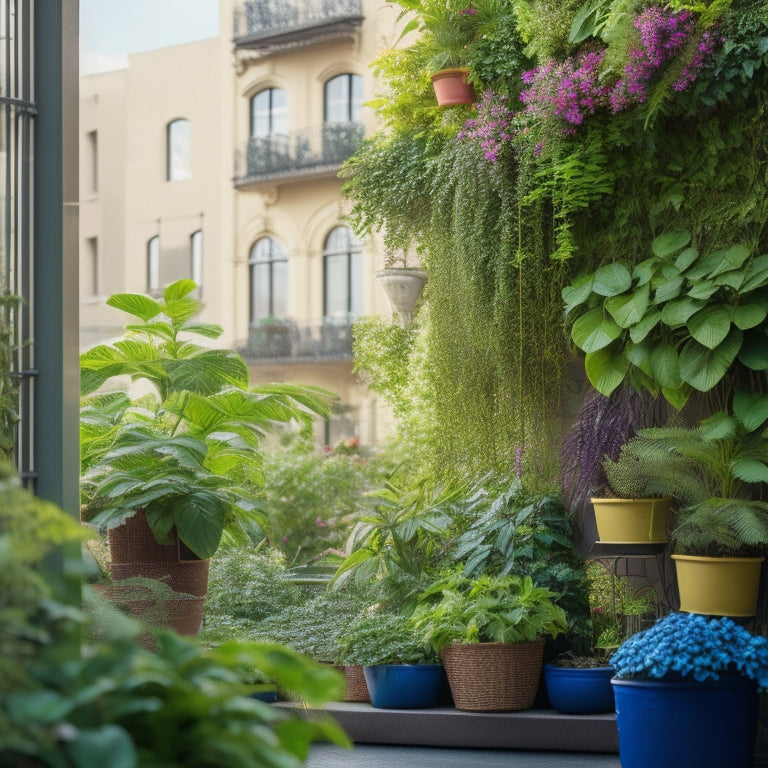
(690, 645)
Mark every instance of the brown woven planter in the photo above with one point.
(134, 552)
(493, 677)
(356, 687)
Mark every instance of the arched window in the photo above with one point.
(196, 257)
(269, 112)
(344, 99)
(179, 150)
(153, 264)
(268, 268)
(342, 274)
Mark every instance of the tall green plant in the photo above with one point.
(187, 452)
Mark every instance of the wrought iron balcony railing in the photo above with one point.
(263, 22)
(302, 153)
(291, 341)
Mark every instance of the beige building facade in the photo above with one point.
(218, 160)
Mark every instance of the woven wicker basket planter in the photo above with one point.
(134, 551)
(356, 687)
(493, 677)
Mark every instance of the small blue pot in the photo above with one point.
(669, 724)
(576, 691)
(403, 686)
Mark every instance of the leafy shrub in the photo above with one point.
(379, 638)
(310, 497)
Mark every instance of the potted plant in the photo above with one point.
(402, 284)
(401, 670)
(687, 693)
(489, 632)
(168, 468)
(579, 680)
(715, 472)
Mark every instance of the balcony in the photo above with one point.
(311, 152)
(271, 26)
(288, 341)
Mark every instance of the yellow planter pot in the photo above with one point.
(631, 521)
(718, 586)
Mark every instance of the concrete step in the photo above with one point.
(532, 729)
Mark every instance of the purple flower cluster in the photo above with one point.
(704, 50)
(492, 127)
(568, 90)
(663, 33)
(693, 646)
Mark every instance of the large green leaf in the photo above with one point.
(97, 747)
(754, 351)
(593, 331)
(643, 272)
(664, 366)
(757, 274)
(751, 409)
(577, 292)
(750, 470)
(703, 368)
(686, 258)
(703, 289)
(718, 426)
(668, 290)
(611, 280)
(676, 313)
(640, 330)
(629, 308)
(208, 372)
(606, 370)
(199, 520)
(749, 315)
(179, 290)
(670, 242)
(678, 396)
(710, 325)
(732, 258)
(143, 307)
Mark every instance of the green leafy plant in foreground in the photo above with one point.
(114, 703)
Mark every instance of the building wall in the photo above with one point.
(210, 84)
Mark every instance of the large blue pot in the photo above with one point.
(677, 724)
(403, 686)
(577, 691)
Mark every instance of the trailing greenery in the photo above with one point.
(519, 199)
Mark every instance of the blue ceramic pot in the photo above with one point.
(403, 686)
(670, 724)
(579, 691)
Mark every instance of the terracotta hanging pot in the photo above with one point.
(452, 87)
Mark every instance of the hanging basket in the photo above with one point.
(631, 521)
(403, 286)
(718, 586)
(493, 677)
(451, 87)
